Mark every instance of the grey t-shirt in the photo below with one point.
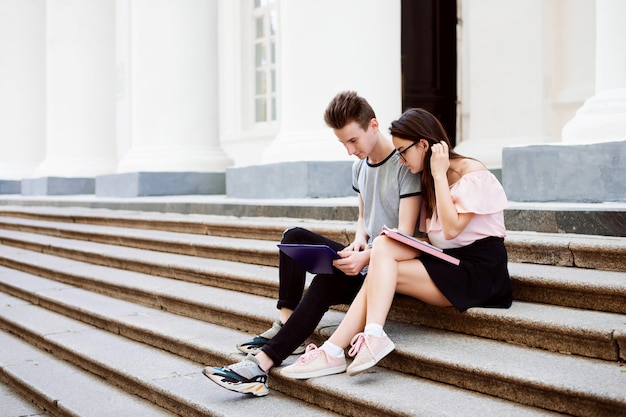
(381, 187)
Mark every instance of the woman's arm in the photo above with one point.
(451, 221)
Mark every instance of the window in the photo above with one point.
(264, 31)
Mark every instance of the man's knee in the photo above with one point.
(293, 234)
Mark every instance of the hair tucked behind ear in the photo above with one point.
(416, 124)
(347, 107)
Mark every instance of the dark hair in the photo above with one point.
(416, 124)
(346, 107)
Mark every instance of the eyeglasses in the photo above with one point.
(401, 153)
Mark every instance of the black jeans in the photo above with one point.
(326, 290)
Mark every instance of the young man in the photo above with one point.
(388, 194)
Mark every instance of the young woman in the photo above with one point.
(462, 213)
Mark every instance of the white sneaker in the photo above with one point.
(314, 363)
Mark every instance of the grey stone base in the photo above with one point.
(303, 179)
(57, 186)
(584, 219)
(142, 184)
(10, 186)
(566, 173)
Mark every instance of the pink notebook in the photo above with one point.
(420, 245)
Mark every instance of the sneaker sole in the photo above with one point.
(256, 389)
(315, 374)
(249, 349)
(355, 370)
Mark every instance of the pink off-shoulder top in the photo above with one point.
(477, 192)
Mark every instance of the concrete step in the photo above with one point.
(61, 388)
(254, 251)
(161, 262)
(560, 285)
(545, 326)
(138, 370)
(571, 250)
(260, 228)
(605, 219)
(424, 350)
(421, 351)
(572, 287)
(583, 251)
(13, 404)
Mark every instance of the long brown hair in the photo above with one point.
(414, 125)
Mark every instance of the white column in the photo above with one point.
(122, 78)
(173, 87)
(80, 87)
(22, 87)
(603, 117)
(325, 47)
(504, 100)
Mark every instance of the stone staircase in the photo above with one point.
(115, 313)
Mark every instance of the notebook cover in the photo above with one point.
(317, 259)
(422, 246)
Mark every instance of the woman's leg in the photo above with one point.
(414, 281)
(353, 322)
(329, 359)
(386, 256)
(383, 265)
(393, 268)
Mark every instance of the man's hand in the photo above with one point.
(356, 246)
(352, 262)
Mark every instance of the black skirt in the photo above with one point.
(480, 280)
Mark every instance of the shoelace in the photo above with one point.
(234, 366)
(357, 342)
(311, 352)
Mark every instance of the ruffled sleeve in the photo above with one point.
(478, 192)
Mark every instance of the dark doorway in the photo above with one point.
(429, 59)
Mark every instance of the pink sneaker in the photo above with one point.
(368, 350)
(315, 362)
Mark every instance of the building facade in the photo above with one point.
(157, 97)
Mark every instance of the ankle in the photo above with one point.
(284, 315)
(374, 329)
(333, 350)
(265, 362)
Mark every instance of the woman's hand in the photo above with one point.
(439, 160)
(452, 222)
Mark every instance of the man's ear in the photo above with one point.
(374, 123)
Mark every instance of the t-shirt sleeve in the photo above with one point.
(410, 184)
(356, 168)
